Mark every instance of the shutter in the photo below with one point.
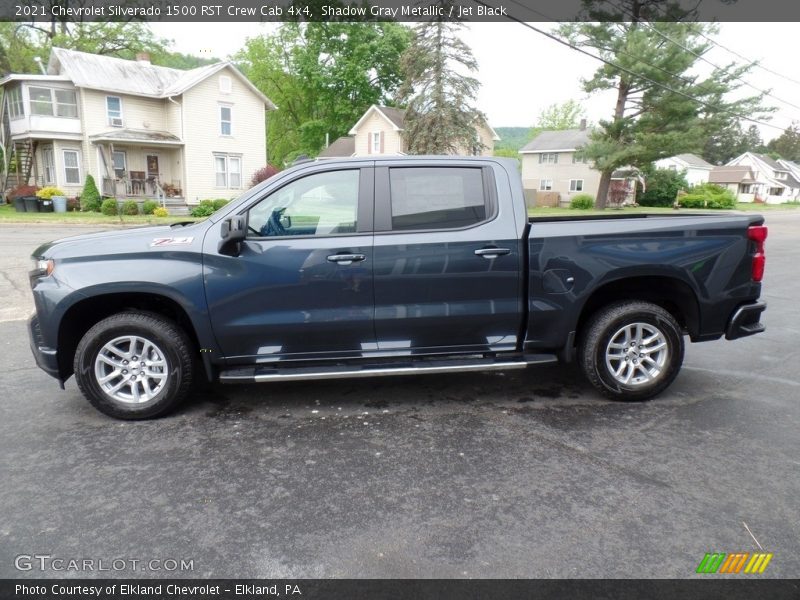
(382, 150)
(369, 143)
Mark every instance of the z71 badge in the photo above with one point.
(171, 241)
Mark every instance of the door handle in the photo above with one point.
(492, 252)
(346, 259)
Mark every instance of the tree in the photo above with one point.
(558, 117)
(662, 109)
(663, 186)
(787, 145)
(731, 141)
(323, 76)
(438, 91)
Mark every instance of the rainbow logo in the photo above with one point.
(719, 562)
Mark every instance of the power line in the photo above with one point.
(753, 63)
(700, 56)
(626, 70)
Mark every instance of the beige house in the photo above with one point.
(141, 130)
(380, 131)
(553, 170)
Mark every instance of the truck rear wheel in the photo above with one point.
(134, 365)
(631, 350)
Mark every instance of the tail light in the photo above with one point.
(757, 234)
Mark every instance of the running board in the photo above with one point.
(262, 374)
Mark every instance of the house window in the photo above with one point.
(49, 165)
(114, 111)
(376, 142)
(746, 189)
(576, 185)
(14, 102)
(545, 185)
(51, 102)
(228, 170)
(225, 84)
(66, 104)
(119, 160)
(72, 170)
(225, 120)
(548, 158)
(578, 157)
(436, 197)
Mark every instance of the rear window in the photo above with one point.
(436, 197)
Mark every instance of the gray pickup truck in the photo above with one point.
(389, 266)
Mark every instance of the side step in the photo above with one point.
(344, 371)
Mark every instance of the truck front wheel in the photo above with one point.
(631, 350)
(134, 365)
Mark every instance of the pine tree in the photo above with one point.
(662, 109)
(440, 116)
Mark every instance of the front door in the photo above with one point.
(447, 262)
(301, 286)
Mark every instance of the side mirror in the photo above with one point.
(232, 232)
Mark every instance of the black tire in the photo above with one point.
(605, 349)
(170, 349)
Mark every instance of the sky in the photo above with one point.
(522, 72)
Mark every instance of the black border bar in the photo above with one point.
(707, 588)
(376, 10)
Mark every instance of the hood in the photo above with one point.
(126, 241)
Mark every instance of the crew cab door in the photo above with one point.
(447, 258)
(301, 284)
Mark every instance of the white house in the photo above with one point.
(379, 131)
(773, 182)
(697, 170)
(142, 131)
(552, 163)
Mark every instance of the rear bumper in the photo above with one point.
(46, 358)
(745, 321)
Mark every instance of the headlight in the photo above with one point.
(43, 266)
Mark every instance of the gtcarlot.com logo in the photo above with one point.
(46, 562)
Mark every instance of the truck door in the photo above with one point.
(301, 285)
(447, 259)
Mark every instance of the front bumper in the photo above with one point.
(46, 358)
(745, 321)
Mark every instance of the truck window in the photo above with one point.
(436, 197)
(319, 204)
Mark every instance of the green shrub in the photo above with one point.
(109, 207)
(692, 201)
(662, 187)
(161, 212)
(219, 203)
(90, 197)
(148, 206)
(708, 195)
(47, 193)
(204, 209)
(130, 208)
(582, 202)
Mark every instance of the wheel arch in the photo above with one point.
(670, 293)
(84, 314)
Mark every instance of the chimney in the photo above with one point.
(143, 57)
(583, 122)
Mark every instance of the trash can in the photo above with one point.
(19, 204)
(45, 205)
(60, 203)
(31, 204)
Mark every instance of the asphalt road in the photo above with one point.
(483, 475)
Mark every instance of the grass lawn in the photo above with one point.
(570, 212)
(9, 215)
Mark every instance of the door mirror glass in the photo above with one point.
(232, 232)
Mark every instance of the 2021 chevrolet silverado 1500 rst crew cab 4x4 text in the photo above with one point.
(388, 266)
